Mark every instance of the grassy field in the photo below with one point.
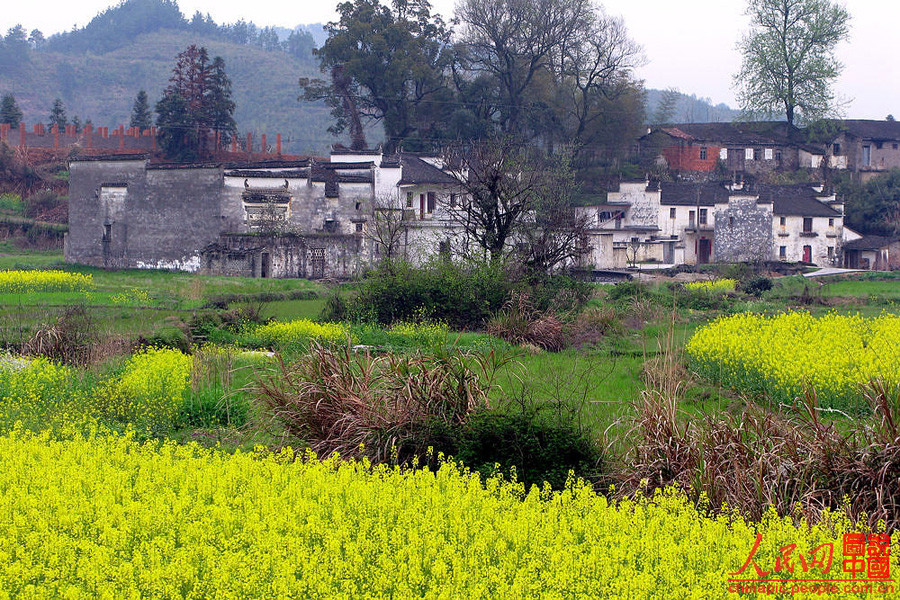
(598, 384)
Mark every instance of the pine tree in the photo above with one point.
(58, 115)
(140, 112)
(10, 113)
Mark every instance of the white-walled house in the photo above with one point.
(696, 223)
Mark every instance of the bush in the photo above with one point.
(538, 451)
(463, 297)
(755, 286)
(47, 206)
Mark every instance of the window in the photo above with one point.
(836, 149)
(830, 251)
(703, 152)
(358, 204)
(359, 227)
(672, 213)
(452, 200)
(757, 154)
(748, 154)
(703, 216)
(867, 156)
(691, 217)
(723, 154)
(807, 224)
(431, 202)
(831, 222)
(409, 199)
(782, 252)
(782, 221)
(778, 155)
(731, 221)
(768, 153)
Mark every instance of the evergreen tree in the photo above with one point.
(10, 113)
(219, 102)
(58, 115)
(196, 105)
(173, 123)
(140, 112)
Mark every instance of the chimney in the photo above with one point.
(278, 144)
(55, 131)
(262, 144)
(88, 134)
(249, 143)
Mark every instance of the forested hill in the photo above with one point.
(98, 70)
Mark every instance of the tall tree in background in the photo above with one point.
(196, 105)
(10, 113)
(788, 58)
(513, 41)
(219, 103)
(393, 59)
(140, 112)
(58, 115)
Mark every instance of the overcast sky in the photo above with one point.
(689, 45)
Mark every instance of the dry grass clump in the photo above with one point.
(519, 322)
(390, 407)
(73, 339)
(760, 458)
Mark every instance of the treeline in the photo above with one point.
(118, 27)
(549, 72)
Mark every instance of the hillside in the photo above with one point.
(102, 87)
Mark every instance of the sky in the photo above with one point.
(688, 45)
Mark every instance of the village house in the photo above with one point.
(697, 223)
(274, 218)
(694, 150)
(866, 148)
(880, 253)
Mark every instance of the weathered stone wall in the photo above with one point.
(743, 230)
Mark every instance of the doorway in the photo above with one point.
(704, 249)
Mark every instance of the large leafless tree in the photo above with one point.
(515, 203)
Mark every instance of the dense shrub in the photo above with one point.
(461, 296)
(537, 449)
(755, 286)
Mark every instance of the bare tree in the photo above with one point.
(514, 201)
(594, 65)
(388, 230)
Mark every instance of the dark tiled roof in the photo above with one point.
(416, 171)
(267, 164)
(872, 130)
(737, 134)
(871, 242)
(292, 174)
(109, 157)
(795, 200)
(691, 194)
